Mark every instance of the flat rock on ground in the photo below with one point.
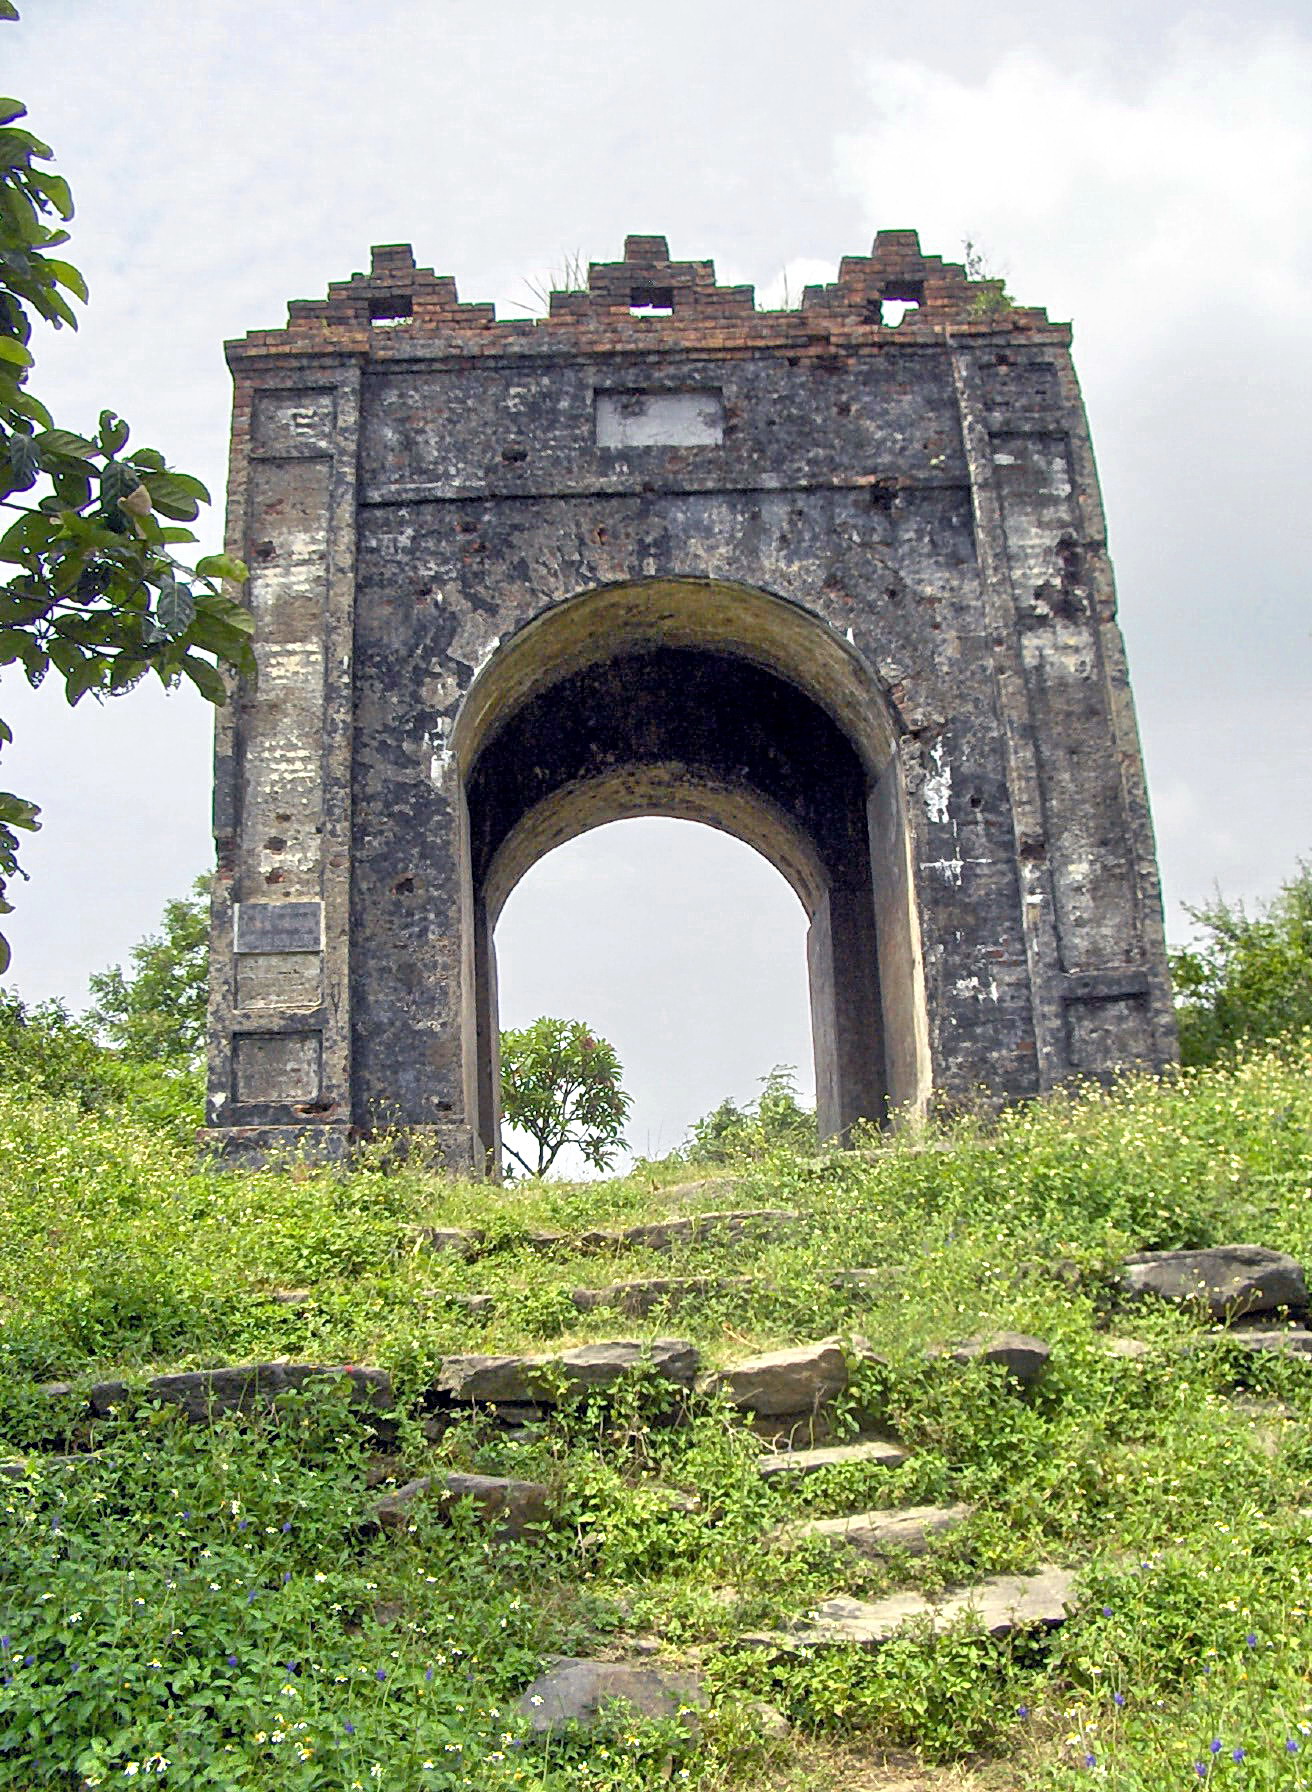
(528, 1379)
(579, 1691)
(782, 1381)
(880, 1451)
(1290, 1341)
(1232, 1280)
(681, 1229)
(636, 1299)
(1001, 1604)
(1024, 1358)
(202, 1392)
(511, 1505)
(875, 1533)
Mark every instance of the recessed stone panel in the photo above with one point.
(279, 927)
(293, 423)
(291, 980)
(660, 419)
(276, 1066)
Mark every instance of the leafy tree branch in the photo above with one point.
(91, 586)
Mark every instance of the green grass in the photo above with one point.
(181, 1569)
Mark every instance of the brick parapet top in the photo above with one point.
(648, 303)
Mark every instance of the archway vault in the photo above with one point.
(720, 704)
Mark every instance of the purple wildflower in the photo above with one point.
(232, 1661)
(1291, 1747)
(1106, 1611)
(1251, 1640)
(1237, 1754)
(1118, 1698)
(380, 1674)
(1215, 1745)
(1091, 1760)
(349, 1727)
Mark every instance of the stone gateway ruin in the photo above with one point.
(832, 579)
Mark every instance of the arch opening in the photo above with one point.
(678, 943)
(605, 709)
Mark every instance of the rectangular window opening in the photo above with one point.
(651, 301)
(396, 308)
(898, 300)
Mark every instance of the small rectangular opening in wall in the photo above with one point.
(636, 419)
(898, 298)
(651, 301)
(393, 308)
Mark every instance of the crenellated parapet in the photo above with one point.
(648, 302)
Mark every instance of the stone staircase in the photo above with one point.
(785, 1396)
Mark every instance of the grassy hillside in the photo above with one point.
(201, 1596)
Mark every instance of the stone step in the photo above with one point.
(511, 1505)
(875, 1533)
(639, 1298)
(574, 1690)
(1000, 1604)
(731, 1226)
(542, 1380)
(1230, 1280)
(882, 1452)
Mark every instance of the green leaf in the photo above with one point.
(8, 11)
(175, 608)
(69, 276)
(114, 433)
(14, 351)
(54, 188)
(25, 459)
(11, 109)
(206, 678)
(222, 566)
(83, 678)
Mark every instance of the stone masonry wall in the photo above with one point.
(879, 548)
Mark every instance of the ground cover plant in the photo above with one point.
(208, 1605)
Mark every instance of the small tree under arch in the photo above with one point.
(560, 1084)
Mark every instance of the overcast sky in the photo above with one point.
(1142, 169)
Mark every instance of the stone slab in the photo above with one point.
(875, 1533)
(576, 1690)
(1024, 1358)
(1000, 1604)
(729, 1227)
(512, 1505)
(1231, 1280)
(530, 1379)
(201, 1393)
(639, 1298)
(879, 1452)
(782, 1381)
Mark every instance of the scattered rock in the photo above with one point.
(579, 1691)
(1129, 1350)
(1024, 1358)
(512, 1505)
(540, 1379)
(637, 1299)
(867, 1280)
(203, 1392)
(875, 1533)
(454, 1297)
(1260, 1341)
(451, 1241)
(1232, 1279)
(768, 1721)
(290, 1297)
(782, 1381)
(1001, 1604)
(14, 1469)
(880, 1451)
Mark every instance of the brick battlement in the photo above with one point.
(646, 303)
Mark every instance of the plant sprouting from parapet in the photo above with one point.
(992, 297)
(571, 275)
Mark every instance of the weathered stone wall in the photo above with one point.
(835, 585)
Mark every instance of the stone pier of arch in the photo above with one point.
(836, 586)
